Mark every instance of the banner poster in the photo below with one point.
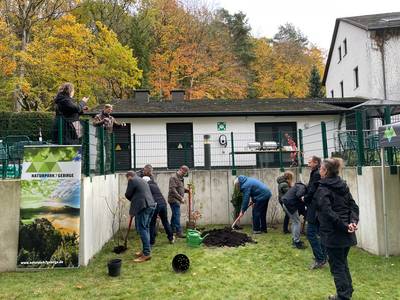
(50, 207)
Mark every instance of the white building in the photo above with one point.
(169, 133)
(364, 58)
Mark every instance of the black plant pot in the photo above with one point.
(114, 267)
(180, 263)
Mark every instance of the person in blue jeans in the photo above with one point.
(319, 251)
(259, 194)
(142, 208)
(176, 195)
(161, 211)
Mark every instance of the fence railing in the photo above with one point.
(216, 150)
(358, 147)
(98, 150)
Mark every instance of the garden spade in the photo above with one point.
(238, 218)
(127, 232)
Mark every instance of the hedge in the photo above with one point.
(27, 123)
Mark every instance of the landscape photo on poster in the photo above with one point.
(50, 207)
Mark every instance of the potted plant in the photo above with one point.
(193, 215)
(114, 265)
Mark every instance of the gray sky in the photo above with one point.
(315, 18)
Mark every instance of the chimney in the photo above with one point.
(142, 95)
(178, 95)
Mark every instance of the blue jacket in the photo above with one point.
(254, 188)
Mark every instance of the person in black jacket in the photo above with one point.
(142, 208)
(67, 114)
(285, 182)
(292, 200)
(161, 211)
(318, 249)
(338, 215)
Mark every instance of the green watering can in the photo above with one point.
(193, 238)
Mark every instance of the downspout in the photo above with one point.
(382, 50)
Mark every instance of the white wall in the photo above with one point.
(151, 135)
(364, 53)
(357, 55)
(99, 197)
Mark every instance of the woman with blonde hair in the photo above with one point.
(338, 215)
(67, 115)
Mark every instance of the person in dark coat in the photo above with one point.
(142, 208)
(146, 171)
(338, 215)
(259, 194)
(68, 112)
(285, 182)
(161, 211)
(292, 201)
(313, 236)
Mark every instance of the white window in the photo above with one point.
(340, 53)
(345, 47)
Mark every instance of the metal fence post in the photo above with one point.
(301, 158)
(282, 169)
(86, 148)
(60, 130)
(102, 156)
(360, 142)
(134, 151)
(112, 153)
(389, 151)
(234, 172)
(324, 140)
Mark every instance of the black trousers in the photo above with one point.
(161, 210)
(340, 271)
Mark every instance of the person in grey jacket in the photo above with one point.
(142, 208)
(176, 195)
(292, 201)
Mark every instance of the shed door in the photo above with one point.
(180, 145)
(123, 148)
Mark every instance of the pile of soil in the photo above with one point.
(226, 238)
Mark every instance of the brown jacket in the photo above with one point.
(176, 189)
(105, 120)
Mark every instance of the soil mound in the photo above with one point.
(226, 237)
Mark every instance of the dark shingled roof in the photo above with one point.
(373, 22)
(367, 22)
(244, 107)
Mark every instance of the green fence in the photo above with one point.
(353, 137)
(98, 150)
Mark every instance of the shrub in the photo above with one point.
(27, 123)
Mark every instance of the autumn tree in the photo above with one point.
(192, 55)
(8, 64)
(22, 16)
(98, 65)
(283, 64)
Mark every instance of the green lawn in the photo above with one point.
(271, 269)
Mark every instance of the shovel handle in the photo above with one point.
(238, 218)
(127, 232)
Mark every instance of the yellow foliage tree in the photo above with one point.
(282, 70)
(69, 52)
(8, 64)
